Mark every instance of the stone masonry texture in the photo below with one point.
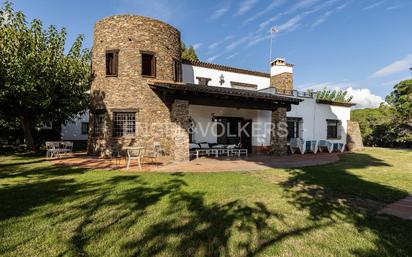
(282, 82)
(354, 136)
(278, 140)
(129, 91)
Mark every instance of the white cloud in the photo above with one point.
(395, 67)
(374, 5)
(322, 19)
(245, 6)
(235, 43)
(197, 45)
(291, 24)
(364, 98)
(219, 12)
(212, 58)
(216, 44)
(232, 55)
(257, 40)
(270, 7)
(301, 5)
(264, 24)
(394, 7)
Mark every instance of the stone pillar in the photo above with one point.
(354, 137)
(278, 135)
(180, 137)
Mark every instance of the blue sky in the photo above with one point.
(363, 45)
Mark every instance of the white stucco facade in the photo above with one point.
(190, 72)
(314, 119)
(73, 129)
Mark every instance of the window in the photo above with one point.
(85, 128)
(124, 124)
(333, 129)
(294, 127)
(178, 71)
(98, 124)
(203, 81)
(112, 62)
(148, 65)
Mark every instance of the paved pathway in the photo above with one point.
(401, 209)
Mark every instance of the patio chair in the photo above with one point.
(117, 155)
(52, 150)
(296, 144)
(236, 150)
(325, 145)
(135, 154)
(155, 153)
(66, 147)
(303, 145)
(339, 147)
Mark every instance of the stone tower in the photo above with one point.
(128, 52)
(281, 76)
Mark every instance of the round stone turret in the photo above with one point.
(128, 52)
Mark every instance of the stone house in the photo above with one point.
(144, 93)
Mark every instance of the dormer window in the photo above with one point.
(203, 81)
(112, 63)
(148, 64)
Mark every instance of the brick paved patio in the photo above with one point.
(206, 164)
(401, 209)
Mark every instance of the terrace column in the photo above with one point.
(180, 136)
(278, 135)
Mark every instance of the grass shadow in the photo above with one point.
(334, 193)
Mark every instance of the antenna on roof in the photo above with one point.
(273, 30)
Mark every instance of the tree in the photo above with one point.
(189, 53)
(390, 124)
(401, 100)
(39, 81)
(369, 119)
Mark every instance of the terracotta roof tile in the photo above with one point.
(226, 68)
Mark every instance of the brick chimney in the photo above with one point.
(281, 75)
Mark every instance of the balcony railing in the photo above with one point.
(296, 93)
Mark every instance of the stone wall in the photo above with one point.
(180, 117)
(129, 90)
(282, 82)
(354, 137)
(278, 135)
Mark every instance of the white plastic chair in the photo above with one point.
(325, 145)
(303, 145)
(135, 153)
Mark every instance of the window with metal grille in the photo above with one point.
(294, 127)
(112, 62)
(333, 129)
(98, 124)
(124, 124)
(85, 128)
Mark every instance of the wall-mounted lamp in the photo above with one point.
(222, 80)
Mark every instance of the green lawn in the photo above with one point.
(319, 211)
